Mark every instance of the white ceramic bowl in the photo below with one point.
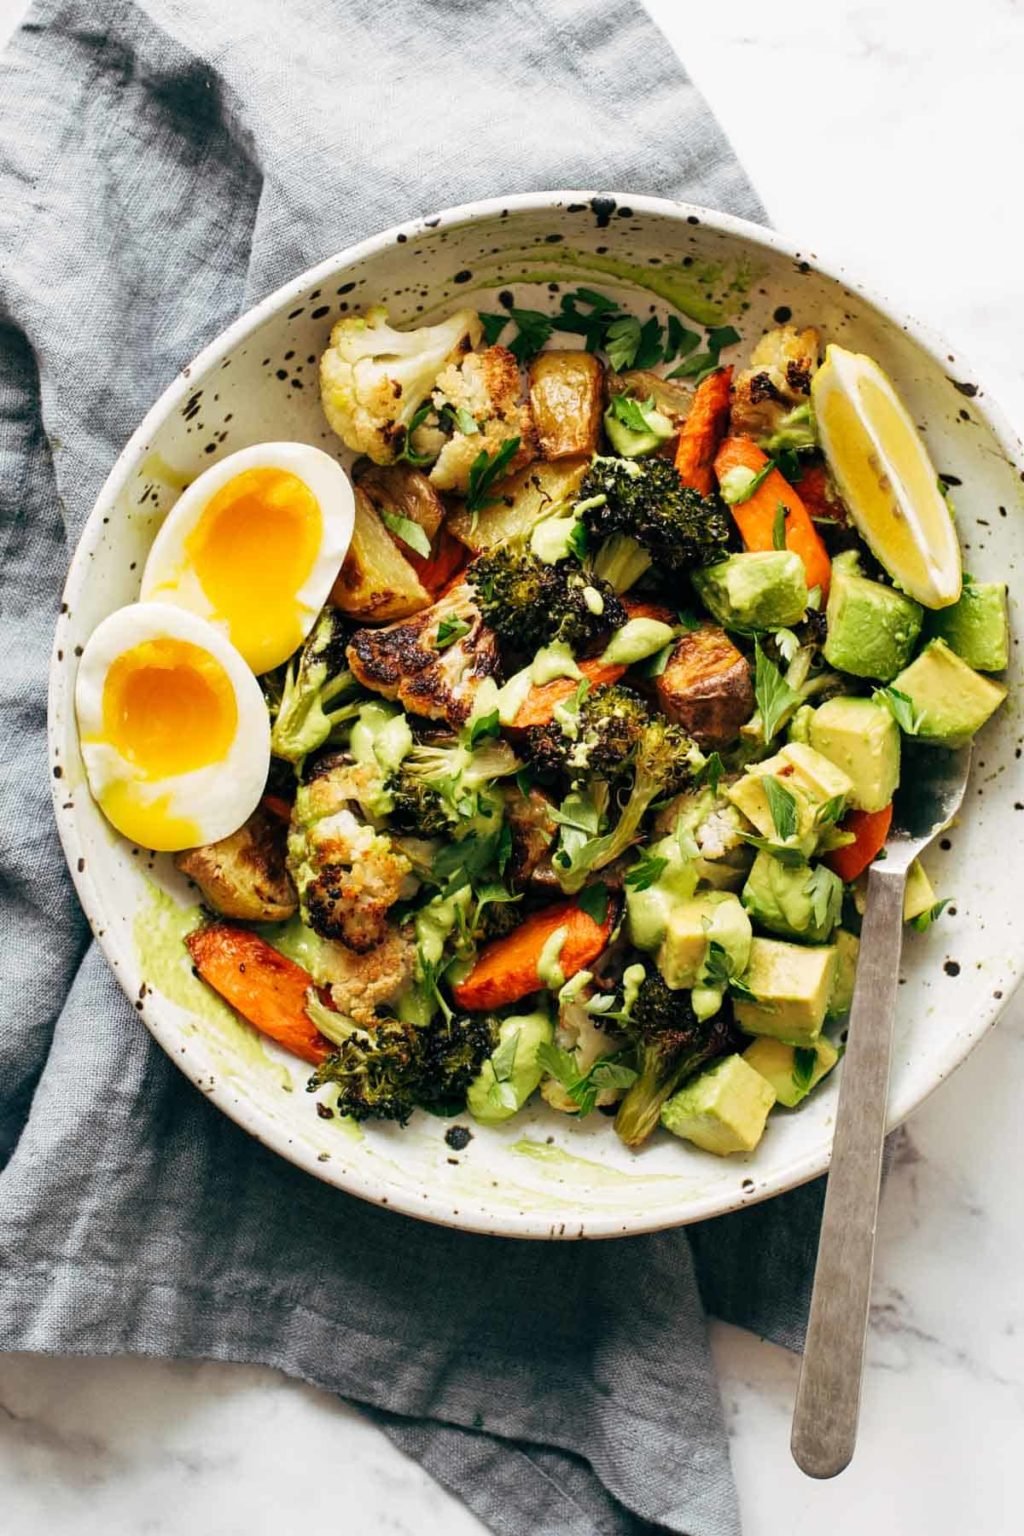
(542, 1175)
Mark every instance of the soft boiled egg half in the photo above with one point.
(173, 727)
(254, 546)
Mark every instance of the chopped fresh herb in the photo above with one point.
(655, 665)
(591, 323)
(593, 899)
(781, 807)
(493, 326)
(830, 812)
(632, 413)
(722, 336)
(779, 525)
(712, 771)
(717, 968)
(679, 342)
(457, 419)
(900, 707)
(696, 366)
(578, 542)
(789, 465)
(739, 484)
(407, 451)
(503, 1060)
(409, 532)
(785, 853)
(607, 1072)
(484, 725)
(524, 782)
(923, 921)
(486, 470)
(805, 1059)
(503, 851)
(448, 631)
(622, 341)
(648, 350)
(775, 698)
(647, 871)
(740, 989)
(687, 620)
(534, 332)
(826, 896)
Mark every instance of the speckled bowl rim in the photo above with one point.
(122, 955)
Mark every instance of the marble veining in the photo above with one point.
(895, 158)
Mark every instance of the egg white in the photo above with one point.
(214, 799)
(169, 576)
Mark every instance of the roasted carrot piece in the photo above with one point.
(277, 807)
(506, 969)
(755, 517)
(703, 430)
(637, 608)
(264, 986)
(819, 495)
(538, 708)
(870, 830)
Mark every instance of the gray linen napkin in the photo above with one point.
(162, 165)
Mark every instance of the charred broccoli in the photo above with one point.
(671, 1045)
(385, 1071)
(597, 738)
(645, 500)
(529, 603)
(664, 760)
(318, 679)
(437, 787)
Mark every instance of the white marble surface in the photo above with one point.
(890, 137)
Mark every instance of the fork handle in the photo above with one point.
(828, 1396)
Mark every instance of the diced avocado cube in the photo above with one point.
(791, 1075)
(648, 909)
(765, 589)
(722, 1110)
(840, 999)
(692, 925)
(951, 700)
(809, 777)
(795, 902)
(792, 984)
(976, 626)
(872, 629)
(918, 895)
(862, 739)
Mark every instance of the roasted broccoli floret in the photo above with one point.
(314, 682)
(437, 787)
(529, 603)
(645, 499)
(620, 561)
(374, 379)
(384, 1071)
(671, 1045)
(663, 762)
(597, 738)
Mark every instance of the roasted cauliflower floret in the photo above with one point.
(347, 875)
(432, 663)
(374, 378)
(362, 983)
(778, 378)
(487, 386)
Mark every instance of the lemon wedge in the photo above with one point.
(886, 477)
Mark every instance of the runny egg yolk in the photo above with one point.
(168, 708)
(253, 549)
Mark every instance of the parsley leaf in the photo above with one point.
(688, 620)
(448, 631)
(409, 532)
(679, 342)
(493, 326)
(825, 892)
(695, 366)
(503, 1061)
(717, 968)
(607, 1072)
(632, 413)
(775, 698)
(593, 899)
(805, 1059)
(830, 811)
(786, 854)
(457, 419)
(779, 525)
(648, 350)
(721, 336)
(711, 772)
(739, 989)
(740, 483)
(655, 665)
(622, 341)
(484, 725)
(900, 707)
(407, 451)
(534, 332)
(781, 807)
(923, 921)
(486, 470)
(647, 871)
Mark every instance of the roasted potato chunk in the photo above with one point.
(706, 687)
(401, 488)
(244, 875)
(376, 581)
(533, 832)
(567, 400)
(523, 500)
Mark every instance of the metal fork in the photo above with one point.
(828, 1396)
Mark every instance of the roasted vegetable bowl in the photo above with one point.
(479, 786)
